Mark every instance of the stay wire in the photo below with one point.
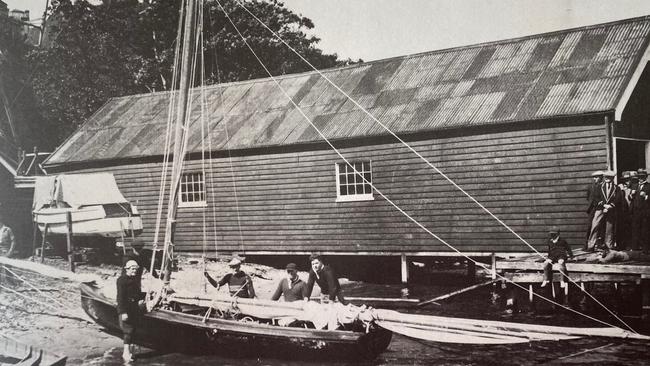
(395, 205)
(426, 161)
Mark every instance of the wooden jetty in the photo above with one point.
(583, 269)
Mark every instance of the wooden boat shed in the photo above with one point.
(520, 124)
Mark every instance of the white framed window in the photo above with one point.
(350, 185)
(192, 190)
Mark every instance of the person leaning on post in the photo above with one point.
(130, 305)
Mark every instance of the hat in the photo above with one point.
(609, 173)
(292, 267)
(315, 256)
(131, 263)
(597, 173)
(234, 262)
(642, 173)
(627, 174)
(554, 230)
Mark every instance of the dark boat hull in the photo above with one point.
(181, 332)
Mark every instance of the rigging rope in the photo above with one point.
(421, 157)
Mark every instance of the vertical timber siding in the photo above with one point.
(531, 179)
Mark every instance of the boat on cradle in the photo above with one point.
(94, 202)
(186, 326)
(13, 352)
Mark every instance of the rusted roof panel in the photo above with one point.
(570, 72)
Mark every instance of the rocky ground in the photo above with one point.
(46, 312)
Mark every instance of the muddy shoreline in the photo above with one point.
(48, 313)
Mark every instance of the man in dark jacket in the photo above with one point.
(292, 287)
(239, 283)
(326, 279)
(130, 299)
(609, 199)
(640, 213)
(558, 252)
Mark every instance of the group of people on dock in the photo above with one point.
(619, 215)
(130, 298)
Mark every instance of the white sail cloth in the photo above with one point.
(76, 190)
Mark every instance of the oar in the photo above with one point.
(458, 292)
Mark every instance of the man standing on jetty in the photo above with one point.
(326, 279)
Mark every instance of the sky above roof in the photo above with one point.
(376, 29)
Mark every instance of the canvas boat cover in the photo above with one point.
(76, 190)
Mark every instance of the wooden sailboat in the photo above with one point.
(250, 326)
(186, 326)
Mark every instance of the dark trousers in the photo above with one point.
(548, 270)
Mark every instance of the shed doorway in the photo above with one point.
(631, 154)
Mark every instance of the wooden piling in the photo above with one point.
(70, 246)
(43, 242)
(405, 269)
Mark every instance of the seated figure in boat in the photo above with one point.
(326, 279)
(130, 302)
(239, 283)
(558, 252)
(7, 239)
(291, 287)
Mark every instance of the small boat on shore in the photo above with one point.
(93, 201)
(187, 327)
(13, 352)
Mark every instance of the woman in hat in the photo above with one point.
(130, 300)
(239, 283)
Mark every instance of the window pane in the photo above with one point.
(359, 189)
(342, 179)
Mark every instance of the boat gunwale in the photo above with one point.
(241, 327)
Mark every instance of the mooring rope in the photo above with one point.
(389, 200)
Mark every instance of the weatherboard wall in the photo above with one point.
(285, 202)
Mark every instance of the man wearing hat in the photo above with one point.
(558, 252)
(592, 189)
(291, 287)
(609, 199)
(130, 300)
(640, 213)
(239, 283)
(628, 186)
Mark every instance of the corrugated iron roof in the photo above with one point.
(569, 72)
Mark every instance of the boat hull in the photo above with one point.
(171, 330)
(13, 352)
(88, 221)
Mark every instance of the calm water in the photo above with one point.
(404, 351)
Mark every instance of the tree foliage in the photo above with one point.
(95, 52)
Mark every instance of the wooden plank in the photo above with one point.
(579, 267)
(530, 277)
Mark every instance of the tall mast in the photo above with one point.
(182, 109)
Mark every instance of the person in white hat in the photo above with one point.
(239, 283)
(609, 200)
(130, 299)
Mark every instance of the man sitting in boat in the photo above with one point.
(326, 279)
(292, 287)
(239, 283)
(130, 299)
(558, 251)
